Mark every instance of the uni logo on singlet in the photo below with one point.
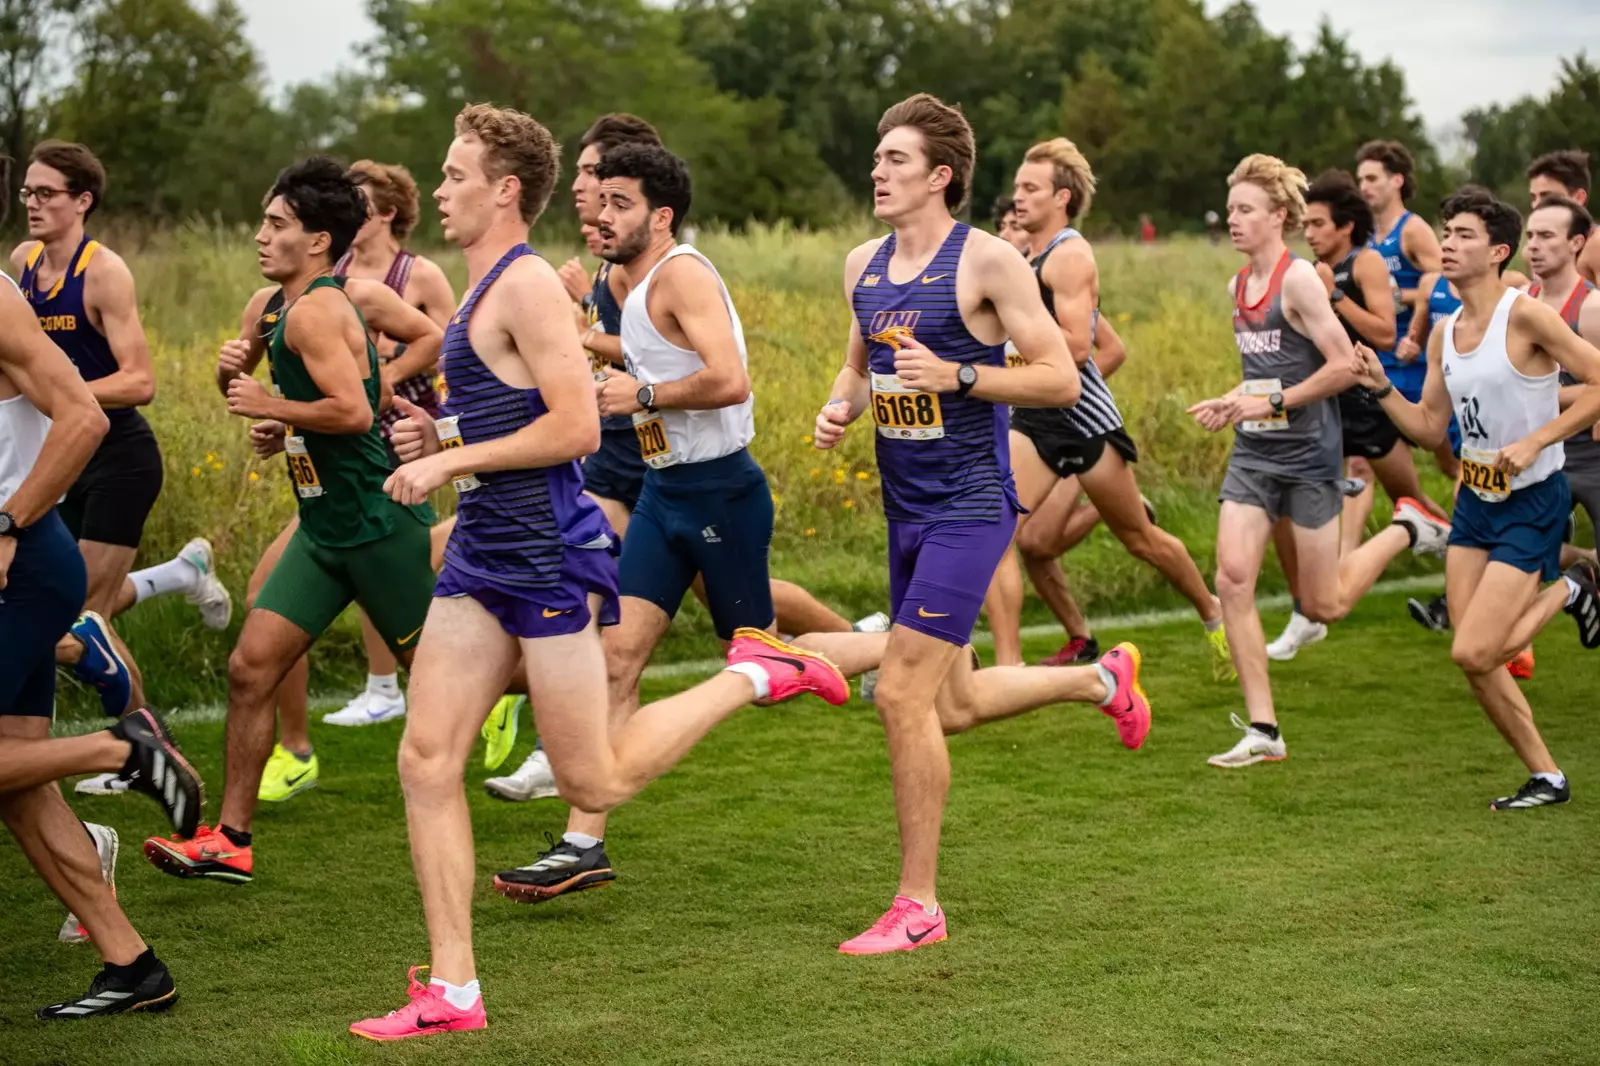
(893, 328)
(58, 323)
(1259, 342)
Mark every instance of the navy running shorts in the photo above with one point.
(616, 471)
(44, 593)
(713, 519)
(1524, 531)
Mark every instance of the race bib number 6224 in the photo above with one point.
(1479, 474)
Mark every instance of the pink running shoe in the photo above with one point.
(1129, 707)
(427, 1013)
(790, 671)
(905, 927)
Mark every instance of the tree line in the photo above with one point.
(774, 103)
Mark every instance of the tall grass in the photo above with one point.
(1169, 301)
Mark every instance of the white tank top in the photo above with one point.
(667, 438)
(1498, 405)
(22, 432)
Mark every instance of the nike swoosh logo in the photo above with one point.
(208, 853)
(113, 669)
(917, 938)
(548, 613)
(934, 278)
(431, 1023)
(296, 780)
(409, 637)
(796, 663)
(923, 612)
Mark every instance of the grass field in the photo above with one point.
(1355, 904)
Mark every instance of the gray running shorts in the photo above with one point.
(1308, 504)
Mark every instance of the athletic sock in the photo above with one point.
(580, 840)
(1263, 727)
(1411, 531)
(384, 685)
(137, 970)
(1213, 625)
(304, 756)
(1109, 680)
(1573, 591)
(1298, 609)
(461, 997)
(174, 575)
(758, 677)
(1557, 779)
(237, 838)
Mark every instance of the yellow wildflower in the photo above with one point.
(254, 476)
(195, 471)
(862, 475)
(811, 532)
(848, 504)
(806, 439)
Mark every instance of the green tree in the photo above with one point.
(1505, 138)
(31, 33)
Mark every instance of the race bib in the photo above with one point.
(903, 413)
(653, 446)
(1013, 357)
(301, 469)
(1478, 473)
(1264, 387)
(450, 437)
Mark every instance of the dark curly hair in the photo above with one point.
(663, 177)
(1338, 190)
(322, 196)
(1501, 220)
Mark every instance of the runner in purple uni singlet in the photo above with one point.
(933, 305)
(529, 570)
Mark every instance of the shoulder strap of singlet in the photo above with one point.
(1066, 233)
(489, 279)
(1398, 233)
(1274, 283)
(342, 267)
(400, 271)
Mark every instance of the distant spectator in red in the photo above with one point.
(1147, 230)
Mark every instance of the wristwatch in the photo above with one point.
(966, 377)
(1388, 387)
(8, 525)
(1336, 295)
(647, 397)
(1276, 400)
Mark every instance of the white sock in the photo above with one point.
(461, 997)
(384, 685)
(1558, 779)
(929, 911)
(1109, 680)
(580, 840)
(1572, 591)
(174, 575)
(758, 677)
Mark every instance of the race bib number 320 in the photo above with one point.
(903, 413)
(1478, 473)
(301, 469)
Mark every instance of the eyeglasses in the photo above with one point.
(43, 193)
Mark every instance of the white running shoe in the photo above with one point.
(102, 785)
(209, 594)
(1429, 535)
(877, 622)
(1301, 632)
(106, 845)
(368, 708)
(869, 686)
(1255, 746)
(532, 780)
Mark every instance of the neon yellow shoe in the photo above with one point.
(500, 730)
(1221, 656)
(286, 775)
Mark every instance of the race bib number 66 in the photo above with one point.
(903, 413)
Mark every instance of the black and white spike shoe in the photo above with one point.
(109, 994)
(158, 769)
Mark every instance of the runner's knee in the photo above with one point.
(1474, 656)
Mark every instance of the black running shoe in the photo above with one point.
(563, 868)
(1352, 486)
(1586, 608)
(1536, 793)
(157, 768)
(1434, 615)
(109, 995)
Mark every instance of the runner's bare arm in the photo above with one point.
(852, 389)
(1415, 342)
(43, 373)
(1071, 274)
(1574, 354)
(1305, 301)
(1589, 260)
(1420, 245)
(1109, 351)
(532, 311)
(243, 354)
(687, 292)
(1589, 330)
(387, 313)
(317, 331)
(109, 293)
(1376, 321)
(607, 346)
(1427, 423)
(1048, 376)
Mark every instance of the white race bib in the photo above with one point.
(903, 413)
(301, 469)
(450, 437)
(1264, 387)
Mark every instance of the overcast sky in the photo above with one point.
(1457, 54)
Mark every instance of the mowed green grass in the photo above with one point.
(1355, 904)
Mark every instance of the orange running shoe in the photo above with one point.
(1521, 667)
(210, 854)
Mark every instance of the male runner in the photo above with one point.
(294, 766)
(933, 305)
(1054, 187)
(353, 543)
(1559, 229)
(1005, 223)
(1338, 227)
(83, 295)
(1387, 174)
(1494, 363)
(1286, 456)
(530, 570)
(1566, 173)
(50, 427)
(378, 254)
